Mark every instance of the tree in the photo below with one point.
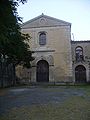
(12, 41)
(14, 48)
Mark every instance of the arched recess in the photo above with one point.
(79, 53)
(80, 74)
(42, 71)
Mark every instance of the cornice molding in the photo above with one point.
(43, 51)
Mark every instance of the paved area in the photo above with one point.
(36, 95)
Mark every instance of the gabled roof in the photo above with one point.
(44, 21)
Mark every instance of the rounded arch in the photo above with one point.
(79, 47)
(80, 74)
(42, 71)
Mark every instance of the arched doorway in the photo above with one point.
(80, 74)
(42, 73)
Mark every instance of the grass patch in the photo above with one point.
(75, 108)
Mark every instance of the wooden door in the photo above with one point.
(80, 74)
(42, 74)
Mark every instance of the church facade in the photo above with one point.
(57, 58)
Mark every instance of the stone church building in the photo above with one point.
(57, 58)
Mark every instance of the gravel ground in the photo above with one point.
(17, 97)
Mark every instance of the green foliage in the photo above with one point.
(12, 42)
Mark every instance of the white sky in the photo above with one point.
(76, 12)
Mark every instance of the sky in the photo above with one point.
(77, 12)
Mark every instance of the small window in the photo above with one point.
(79, 53)
(42, 38)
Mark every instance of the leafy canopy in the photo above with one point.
(13, 44)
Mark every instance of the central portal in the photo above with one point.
(42, 74)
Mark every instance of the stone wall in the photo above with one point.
(7, 75)
(58, 46)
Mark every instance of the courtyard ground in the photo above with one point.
(45, 103)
